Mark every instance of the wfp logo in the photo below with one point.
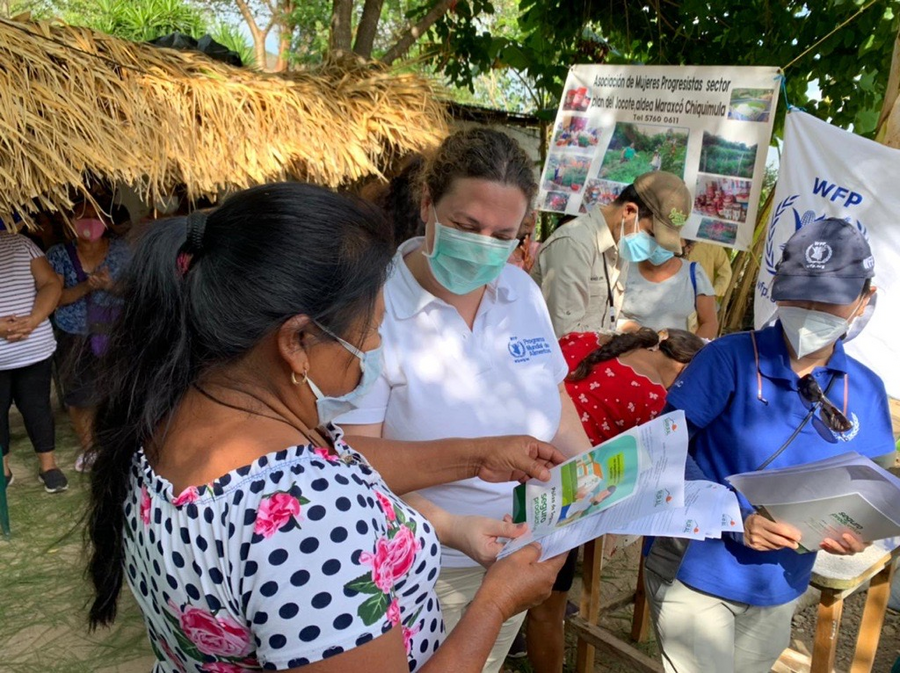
(516, 348)
(815, 254)
(818, 254)
(780, 209)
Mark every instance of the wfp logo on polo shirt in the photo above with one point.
(522, 350)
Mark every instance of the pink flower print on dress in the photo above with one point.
(392, 559)
(325, 454)
(274, 512)
(188, 496)
(408, 636)
(609, 372)
(393, 612)
(635, 384)
(213, 635)
(583, 398)
(653, 396)
(145, 506)
(593, 385)
(386, 506)
(170, 654)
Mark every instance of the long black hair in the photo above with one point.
(680, 345)
(266, 255)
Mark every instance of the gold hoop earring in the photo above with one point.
(301, 381)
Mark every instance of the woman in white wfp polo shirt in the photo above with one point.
(469, 351)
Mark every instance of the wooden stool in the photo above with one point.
(837, 577)
(585, 626)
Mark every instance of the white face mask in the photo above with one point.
(809, 331)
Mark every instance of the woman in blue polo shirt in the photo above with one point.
(727, 608)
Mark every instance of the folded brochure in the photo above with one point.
(825, 499)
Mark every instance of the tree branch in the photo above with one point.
(341, 28)
(258, 35)
(368, 26)
(413, 33)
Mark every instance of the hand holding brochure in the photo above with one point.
(825, 499)
(632, 483)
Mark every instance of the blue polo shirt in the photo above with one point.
(736, 432)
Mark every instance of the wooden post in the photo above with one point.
(638, 662)
(591, 572)
(828, 626)
(872, 620)
(641, 618)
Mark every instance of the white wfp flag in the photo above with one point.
(828, 172)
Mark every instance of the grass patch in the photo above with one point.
(43, 592)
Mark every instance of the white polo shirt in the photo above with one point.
(442, 379)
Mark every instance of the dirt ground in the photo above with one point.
(43, 593)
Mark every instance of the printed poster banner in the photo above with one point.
(828, 172)
(709, 125)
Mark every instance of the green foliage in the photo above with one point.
(312, 20)
(724, 157)
(618, 167)
(850, 68)
(230, 36)
(137, 20)
(39, 8)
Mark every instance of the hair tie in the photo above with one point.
(193, 244)
(196, 228)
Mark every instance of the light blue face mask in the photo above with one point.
(660, 255)
(370, 363)
(636, 247)
(462, 262)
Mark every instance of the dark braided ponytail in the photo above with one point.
(679, 345)
(618, 345)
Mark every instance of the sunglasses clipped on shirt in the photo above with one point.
(831, 416)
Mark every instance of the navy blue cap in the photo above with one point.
(827, 261)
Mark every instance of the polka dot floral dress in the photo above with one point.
(613, 398)
(294, 558)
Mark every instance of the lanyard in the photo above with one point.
(611, 308)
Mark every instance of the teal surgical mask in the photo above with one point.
(636, 247)
(660, 255)
(370, 363)
(462, 261)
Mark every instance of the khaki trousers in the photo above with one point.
(701, 633)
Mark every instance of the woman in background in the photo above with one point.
(29, 291)
(88, 267)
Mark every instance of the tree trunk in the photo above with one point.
(368, 26)
(888, 131)
(285, 23)
(413, 33)
(341, 28)
(258, 35)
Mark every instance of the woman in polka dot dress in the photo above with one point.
(251, 535)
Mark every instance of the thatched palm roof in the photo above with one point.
(74, 102)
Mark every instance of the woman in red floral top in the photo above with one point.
(619, 383)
